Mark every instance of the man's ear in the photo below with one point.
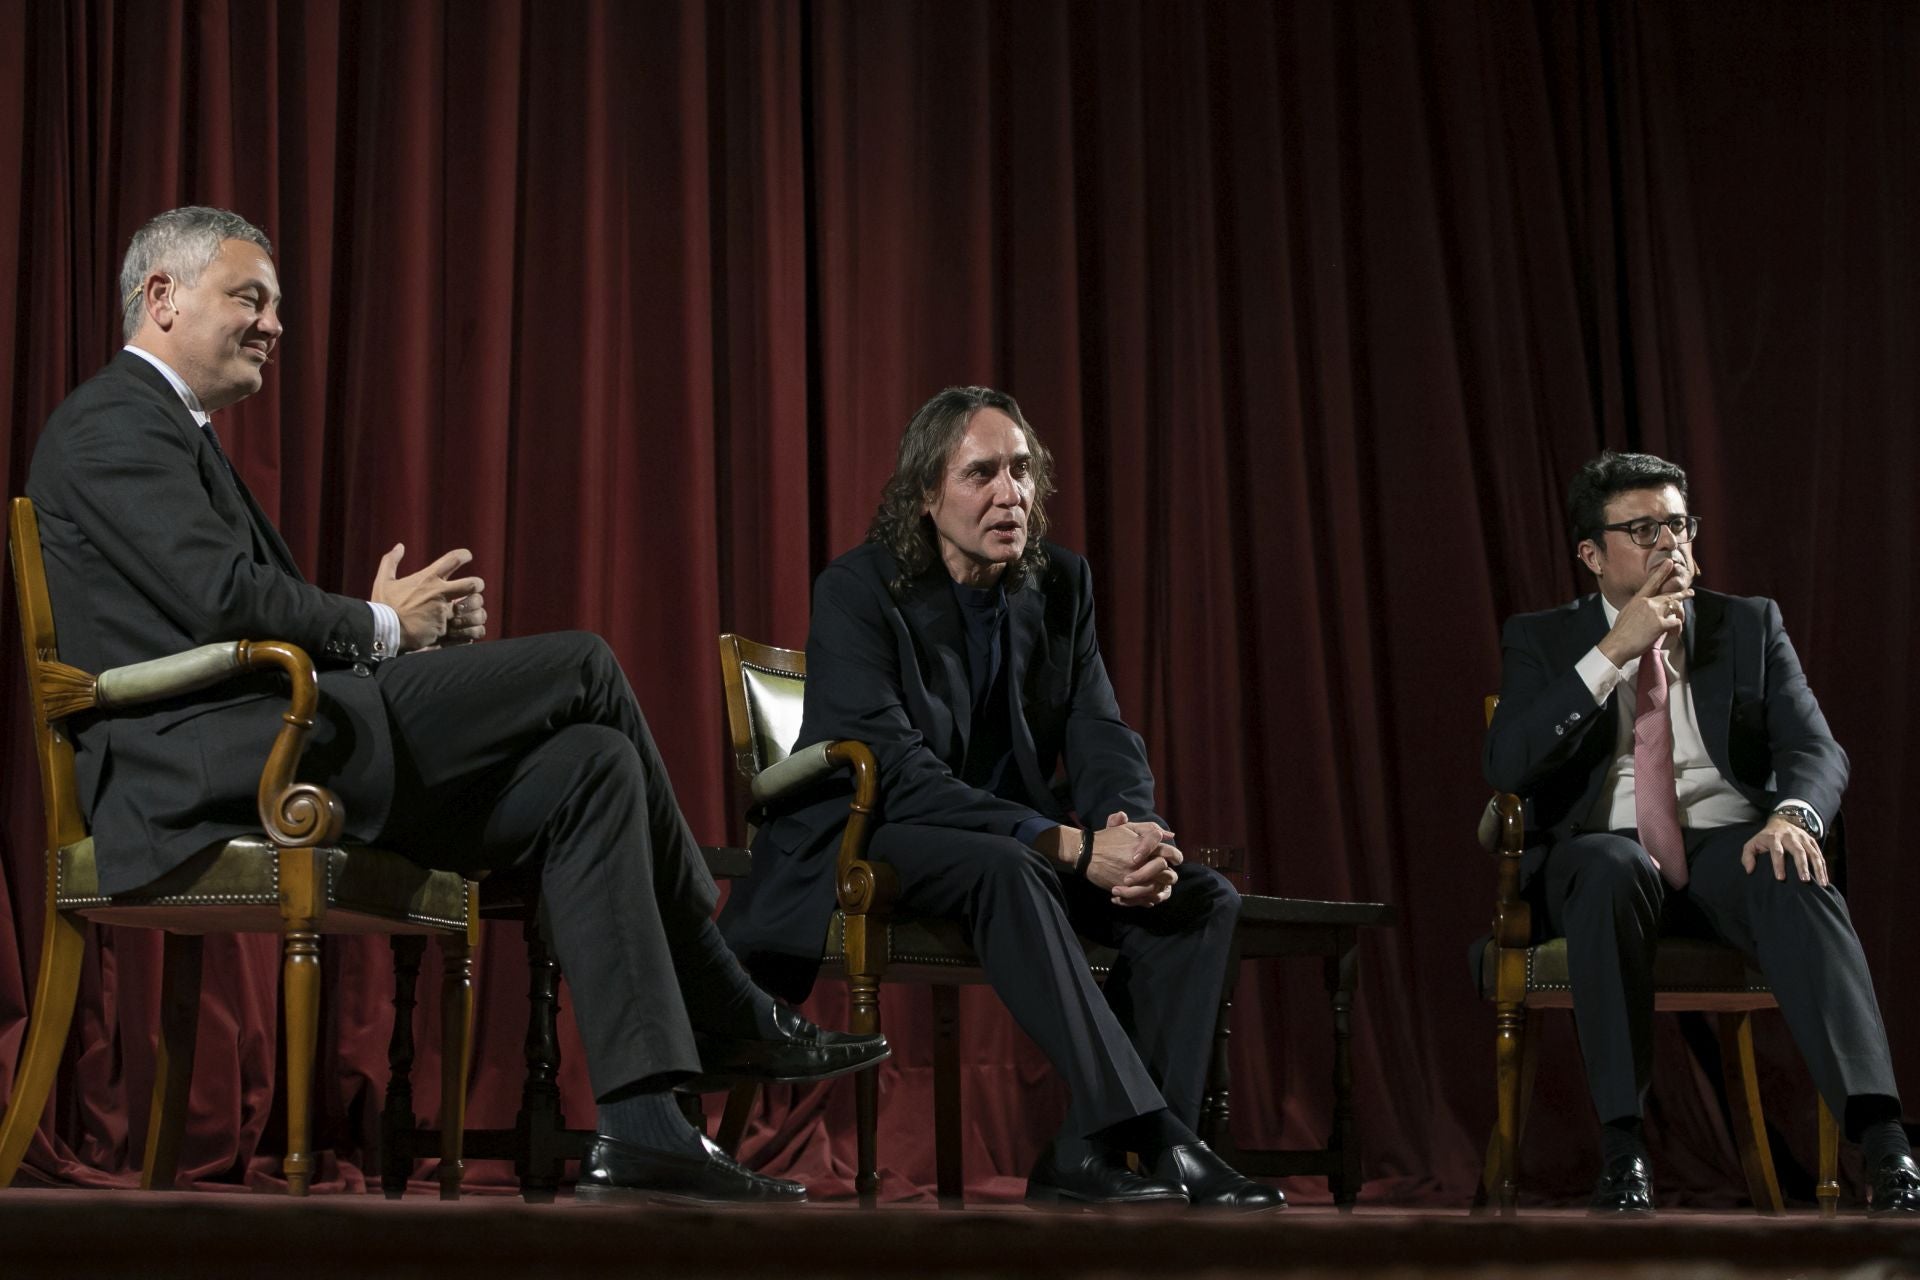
(156, 299)
(1589, 554)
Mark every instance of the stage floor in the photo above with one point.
(200, 1234)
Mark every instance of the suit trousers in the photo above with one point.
(533, 752)
(1605, 896)
(1144, 1043)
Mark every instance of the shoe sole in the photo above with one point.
(719, 1084)
(645, 1195)
(1054, 1198)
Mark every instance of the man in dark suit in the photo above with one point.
(1681, 778)
(962, 650)
(468, 757)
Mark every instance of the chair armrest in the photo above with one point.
(804, 767)
(295, 815)
(1512, 914)
(863, 887)
(166, 677)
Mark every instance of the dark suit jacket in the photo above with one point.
(1763, 729)
(892, 672)
(152, 547)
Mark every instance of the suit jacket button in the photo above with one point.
(1559, 731)
(362, 669)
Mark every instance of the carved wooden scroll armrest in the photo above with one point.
(294, 814)
(864, 887)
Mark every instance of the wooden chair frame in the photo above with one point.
(301, 822)
(1516, 1037)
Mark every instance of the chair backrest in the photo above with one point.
(54, 687)
(766, 693)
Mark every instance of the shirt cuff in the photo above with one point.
(386, 630)
(1599, 674)
(1033, 828)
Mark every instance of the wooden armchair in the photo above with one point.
(1690, 975)
(866, 940)
(293, 879)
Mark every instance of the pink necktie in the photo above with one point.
(1657, 809)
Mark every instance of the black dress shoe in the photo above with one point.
(789, 1051)
(1100, 1178)
(1894, 1186)
(615, 1171)
(1625, 1186)
(1212, 1183)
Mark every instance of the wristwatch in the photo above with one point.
(1801, 816)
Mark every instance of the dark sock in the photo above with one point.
(1621, 1139)
(651, 1120)
(1149, 1134)
(719, 995)
(1873, 1121)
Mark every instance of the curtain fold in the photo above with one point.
(1318, 305)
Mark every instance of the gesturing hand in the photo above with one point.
(424, 600)
(1653, 612)
(1133, 862)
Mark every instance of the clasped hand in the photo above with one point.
(433, 608)
(1134, 862)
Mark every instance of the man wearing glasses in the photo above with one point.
(1680, 779)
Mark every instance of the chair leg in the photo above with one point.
(300, 972)
(61, 948)
(538, 1127)
(1749, 1119)
(173, 1063)
(865, 1017)
(1827, 1191)
(948, 1157)
(456, 1049)
(733, 1123)
(1343, 979)
(1514, 1050)
(397, 1121)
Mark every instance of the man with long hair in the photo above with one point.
(961, 648)
(527, 752)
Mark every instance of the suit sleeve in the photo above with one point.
(1107, 767)
(1807, 762)
(1544, 713)
(854, 685)
(133, 488)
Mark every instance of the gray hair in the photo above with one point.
(182, 243)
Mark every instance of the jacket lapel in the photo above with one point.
(933, 615)
(1710, 676)
(1027, 610)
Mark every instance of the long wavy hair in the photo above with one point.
(902, 525)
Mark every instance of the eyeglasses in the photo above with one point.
(1645, 531)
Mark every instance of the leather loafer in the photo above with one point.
(790, 1051)
(619, 1171)
(1625, 1186)
(1212, 1183)
(1894, 1186)
(1101, 1178)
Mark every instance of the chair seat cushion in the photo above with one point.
(234, 887)
(926, 949)
(1688, 973)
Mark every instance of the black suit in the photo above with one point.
(1765, 734)
(893, 672)
(477, 757)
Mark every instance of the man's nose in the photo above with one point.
(269, 322)
(1006, 493)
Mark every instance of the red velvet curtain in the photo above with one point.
(1318, 304)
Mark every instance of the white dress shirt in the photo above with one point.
(386, 623)
(1706, 797)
